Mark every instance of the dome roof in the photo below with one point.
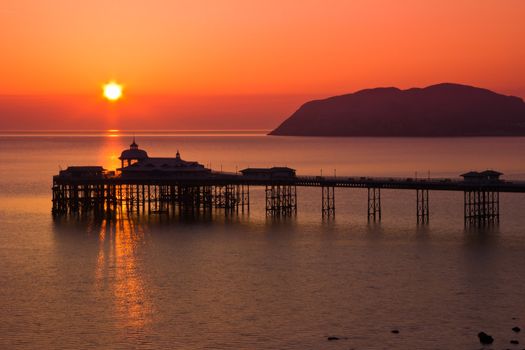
(133, 152)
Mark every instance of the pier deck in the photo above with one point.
(231, 191)
(222, 178)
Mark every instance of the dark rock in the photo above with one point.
(332, 338)
(437, 110)
(395, 331)
(484, 338)
(516, 329)
(514, 342)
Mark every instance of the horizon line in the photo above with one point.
(139, 132)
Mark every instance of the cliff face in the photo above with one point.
(437, 110)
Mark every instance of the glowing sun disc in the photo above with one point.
(112, 91)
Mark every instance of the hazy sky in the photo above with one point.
(238, 47)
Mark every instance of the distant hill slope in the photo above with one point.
(437, 110)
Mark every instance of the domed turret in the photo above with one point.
(132, 155)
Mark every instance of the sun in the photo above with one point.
(112, 91)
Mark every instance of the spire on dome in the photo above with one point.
(134, 144)
(177, 156)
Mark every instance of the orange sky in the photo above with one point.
(256, 48)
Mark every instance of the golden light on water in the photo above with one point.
(117, 262)
(110, 151)
(112, 91)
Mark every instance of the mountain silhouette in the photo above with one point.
(438, 110)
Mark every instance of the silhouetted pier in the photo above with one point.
(164, 185)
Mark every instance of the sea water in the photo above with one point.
(249, 281)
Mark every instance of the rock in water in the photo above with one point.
(332, 338)
(484, 338)
(514, 342)
(395, 331)
(516, 329)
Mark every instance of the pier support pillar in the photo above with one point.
(422, 206)
(206, 194)
(281, 200)
(188, 197)
(58, 200)
(230, 197)
(226, 197)
(481, 207)
(328, 201)
(374, 204)
(244, 196)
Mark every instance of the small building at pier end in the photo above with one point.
(484, 176)
(83, 172)
(137, 164)
(269, 173)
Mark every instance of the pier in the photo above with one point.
(165, 185)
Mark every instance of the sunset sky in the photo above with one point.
(240, 64)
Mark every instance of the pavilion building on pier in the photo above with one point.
(135, 162)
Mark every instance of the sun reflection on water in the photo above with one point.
(118, 268)
(110, 152)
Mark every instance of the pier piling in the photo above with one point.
(281, 200)
(328, 201)
(481, 207)
(374, 204)
(422, 210)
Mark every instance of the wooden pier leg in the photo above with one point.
(143, 199)
(248, 197)
(86, 200)
(149, 199)
(268, 201)
(230, 197)
(371, 205)
(374, 204)
(155, 198)
(276, 199)
(137, 198)
(422, 206)
(242, 198)
(465, 206)
(56, 199)
(272, 205)
(220, 199)
(496, 205)
(281, 200)
(481, 207)
(118, 195)
(328, 201)
(293, 197)
(74, 199)
(288, 200)
(469, 207)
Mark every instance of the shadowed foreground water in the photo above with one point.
(248, 281)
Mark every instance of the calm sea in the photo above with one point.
(252, 282)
